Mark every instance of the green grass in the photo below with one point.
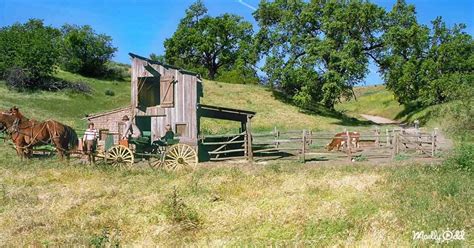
(70, 107)
(66, 106)
(271, 112)
(372, 100)
(280, 203)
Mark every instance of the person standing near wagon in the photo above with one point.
(130, 130)
(90, 140)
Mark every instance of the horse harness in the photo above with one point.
(16, 129)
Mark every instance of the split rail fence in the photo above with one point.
(308, 145)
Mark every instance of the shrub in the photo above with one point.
(462, 158)
(117, 71)
(236, 77)
(178, 212)
(84, 51)
(18, 78)
(109, 92)
(28, 53)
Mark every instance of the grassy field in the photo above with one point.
(280, 203)
(271, 112)
(283, 203)
(372, 100)
(67, 106)
(71, 107)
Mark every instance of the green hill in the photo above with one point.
(70, 107)
(372, 100)
(67, 106)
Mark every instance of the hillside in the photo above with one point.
(67, 106)
(271, 112)
(372, 100)
(71, 107)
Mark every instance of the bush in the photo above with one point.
(109, 92)
(84, 51)
(18, 78)
(462, 158)
(28, 53)
(178, 212)
(117, 71)
(236, 77)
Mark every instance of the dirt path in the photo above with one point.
(379, 119)
(443, 142)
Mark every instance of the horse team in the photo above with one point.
(26, 134)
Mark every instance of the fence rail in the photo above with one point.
(311, 145)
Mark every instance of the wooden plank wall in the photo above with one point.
(185, 99)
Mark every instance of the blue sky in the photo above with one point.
(141, 26)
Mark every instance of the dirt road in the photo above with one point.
(379, 119)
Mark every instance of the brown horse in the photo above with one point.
(26, 134)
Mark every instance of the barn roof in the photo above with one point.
(164, 65)
(225, 113)
(113, 111)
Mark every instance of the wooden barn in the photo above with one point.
(163, 94)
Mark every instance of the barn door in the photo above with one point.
(167, 92)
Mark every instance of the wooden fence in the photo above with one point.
(308, 145)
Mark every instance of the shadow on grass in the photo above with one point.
(320, 110)
(412, 109)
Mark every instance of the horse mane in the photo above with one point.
(72, 137)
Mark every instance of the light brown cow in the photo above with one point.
(340, 139)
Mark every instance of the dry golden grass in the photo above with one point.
(271, 112)
(280, 203)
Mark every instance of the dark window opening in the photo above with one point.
(148, 92)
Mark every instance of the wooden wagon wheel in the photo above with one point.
(180, 156)
(120, 156)
(155, 162)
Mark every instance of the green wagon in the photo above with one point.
(168, 155)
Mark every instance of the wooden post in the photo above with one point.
(419, 146)
(249, 140)
(377, 137)
(394, 145)
(303, 149)
(387, 133)
(348, 145)
(277, 137)
(433, 142)
(246, 138)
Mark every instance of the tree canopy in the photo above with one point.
(84, 51)
(210, 44)
(423, 65)
(317, 51)
(32, 47)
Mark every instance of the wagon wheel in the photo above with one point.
(180, 156)
(120, 156)
(155, 162)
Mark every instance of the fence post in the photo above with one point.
(348, 145)
(249, 140)
(433, 142)
(387, 133)
(303, 149)
(246, 152)
(377, 137)
(277, 135)
(394, 145)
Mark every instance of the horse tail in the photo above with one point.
(72, 137)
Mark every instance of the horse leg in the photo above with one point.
(59, 148)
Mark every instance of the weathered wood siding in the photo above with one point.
(110, 120)
(185, 102)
